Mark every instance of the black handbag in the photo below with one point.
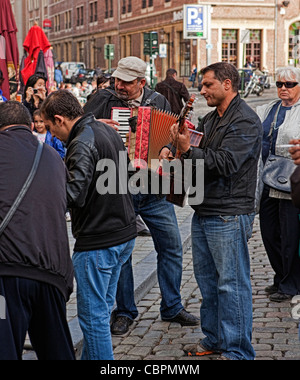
(24, 189)
(277, 172)
(278, 169)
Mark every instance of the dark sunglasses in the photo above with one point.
(286, 84)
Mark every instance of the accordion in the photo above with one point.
(148, 130)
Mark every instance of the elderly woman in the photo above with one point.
(279, 218)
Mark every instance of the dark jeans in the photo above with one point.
(40, 309)
(280, 230)
(160, 218)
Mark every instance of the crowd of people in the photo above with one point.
(36, 271)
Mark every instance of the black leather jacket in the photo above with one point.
(98, 220)
(230, 148)
(102, 102)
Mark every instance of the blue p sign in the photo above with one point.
(195, 17)
(195, 21)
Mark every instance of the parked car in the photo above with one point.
(70, 68)
(83, 75)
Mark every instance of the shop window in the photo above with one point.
(254, 47)
(229, 46)
(294, 44)
(185, 57)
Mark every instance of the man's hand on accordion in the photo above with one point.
(112, 123)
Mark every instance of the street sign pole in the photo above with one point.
(151, 48)
(109, 54)
(208, 46)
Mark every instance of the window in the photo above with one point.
(254, 47)
(124, 7)
(68, 20)
(106, 9)
(185, 56)
(109, 11)
(229, 46)
(57, 23)
(94, 11)
(144, 4)
(80, 16)
(294, 43)
(30, 5)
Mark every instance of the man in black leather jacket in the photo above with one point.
(103, 218)
(222, 224)
(158, 214)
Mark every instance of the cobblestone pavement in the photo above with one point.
(275, 332)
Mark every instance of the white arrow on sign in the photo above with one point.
(193, 16)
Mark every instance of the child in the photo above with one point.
(45, 136)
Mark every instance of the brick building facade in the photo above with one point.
(80, 28)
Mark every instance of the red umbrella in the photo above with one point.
(35, 41)
(9, 53)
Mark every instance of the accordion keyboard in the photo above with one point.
(121, 115)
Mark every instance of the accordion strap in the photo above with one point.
(24, 189)
(146, 102)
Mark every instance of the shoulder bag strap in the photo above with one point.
(24, 189)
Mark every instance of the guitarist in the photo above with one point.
(222, 224)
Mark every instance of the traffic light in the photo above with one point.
(151, 43)
(109, 51)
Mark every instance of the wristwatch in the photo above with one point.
(187, 153)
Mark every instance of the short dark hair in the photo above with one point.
(103, 78)
(62, 103)
(223, 71)
(33, 79)
(171, 72)
(14, 113)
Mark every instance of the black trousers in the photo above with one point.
(280, 230)
(38, 308)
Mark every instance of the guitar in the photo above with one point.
(179, 199)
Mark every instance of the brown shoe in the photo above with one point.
(280, 297)
(271, 289)
(184, 318)
(120, 325)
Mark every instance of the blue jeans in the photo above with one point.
(97, 274)
(222, 270)
(160, 218)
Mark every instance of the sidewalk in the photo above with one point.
(144, 269)
(275, 331)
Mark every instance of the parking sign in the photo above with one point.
(195, 21)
